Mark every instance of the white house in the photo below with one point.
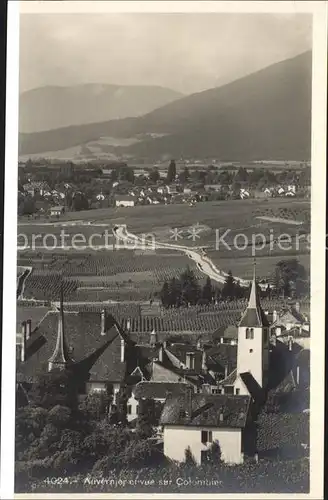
(57, 211)
(124, 201)
(156, 391)
(195, 421)
(244, 193)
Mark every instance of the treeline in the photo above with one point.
(289, 279)
(186, 290)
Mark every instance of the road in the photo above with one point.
(204, 263)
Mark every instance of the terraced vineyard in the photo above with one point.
(47, 286)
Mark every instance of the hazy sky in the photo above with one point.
(186, 52)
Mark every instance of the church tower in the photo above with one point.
(60, 357)
(253, 339)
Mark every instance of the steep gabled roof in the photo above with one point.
(93, 354)
(159, 390)
(254, 315)
(206, 410)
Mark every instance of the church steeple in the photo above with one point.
(60, 357)
(254, 315)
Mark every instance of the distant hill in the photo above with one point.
(53, 107)
(266, 115)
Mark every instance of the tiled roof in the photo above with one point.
(206, 410)
(159, 390)
(92, 353)
(231, 378)
(254, 318)
(221, 356)
(35, 314)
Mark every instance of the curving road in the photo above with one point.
(204, 263)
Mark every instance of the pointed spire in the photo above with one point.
(254, 300)
(60, 357)
(253, 314)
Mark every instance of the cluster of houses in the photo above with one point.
(206, 391)
(156, 194)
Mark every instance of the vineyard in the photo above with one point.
(47, 286)
(109, 263)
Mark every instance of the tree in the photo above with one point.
(189, 458)
(165, 294)
(207, 292)
(241, 175)
(190, 289)
(290, 274)
(228, 290)
(96, 405)
(214, 454)
(26, 206)
(55, 388)
(184, 175)
(154, 175)
(146, 419)
(80, 202)
(172, 172)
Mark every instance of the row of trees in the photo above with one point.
(290, 279)
(186, 290)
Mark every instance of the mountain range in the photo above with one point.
(265, 115)
(53, 107)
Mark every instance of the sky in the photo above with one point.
(185, 52)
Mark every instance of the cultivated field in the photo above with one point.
(135, 275)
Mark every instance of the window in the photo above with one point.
(182, 414)
(129, 409)
(251, 350)
(228, 389)
(190, 360)
(249, 333)
(215, 391)
(206, 437)
(237, 391)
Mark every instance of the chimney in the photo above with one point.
(290, 343)
(204, 366)
(274, 316)
(160, 354)
(128, 325)
(189, 403)
(221, 340)
(28, 328)
(221, 416)
(225, 371)
(23, 342)
(297, 375)
(298, 306)
(165, 344)
(122, 350)
(153, 338)
(199, 344)
(103, 322)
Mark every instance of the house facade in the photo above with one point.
(124, 201)
(196, 421)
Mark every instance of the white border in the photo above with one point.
(8, 390)
(319, 10)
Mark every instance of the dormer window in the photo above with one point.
(190, 360)
(250, 333)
